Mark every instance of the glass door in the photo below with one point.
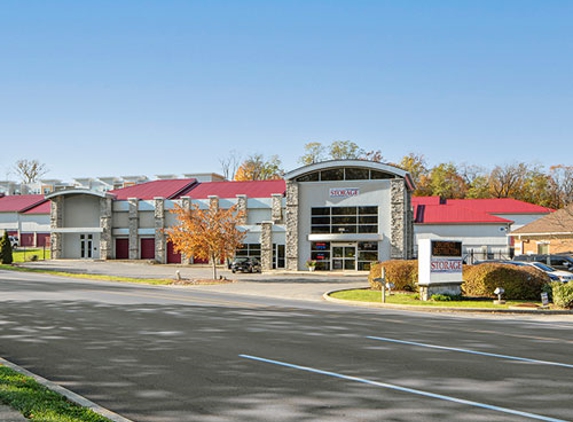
(86, 246)
(343, 256)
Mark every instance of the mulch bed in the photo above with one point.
(201, 282)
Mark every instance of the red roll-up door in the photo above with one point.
(122, 248)
(172, 256)
(26, 239)
(147, 248)
(43, 240)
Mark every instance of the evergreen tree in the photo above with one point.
(5, 249)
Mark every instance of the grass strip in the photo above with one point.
(153, 281)
(38, 403)
(366, 295)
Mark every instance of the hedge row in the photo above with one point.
(519, 283)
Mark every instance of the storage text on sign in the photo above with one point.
(343, 192)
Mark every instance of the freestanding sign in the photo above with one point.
(439, 267)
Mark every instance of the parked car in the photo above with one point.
(553, 275)
(559, 262)
(13, 241)
(563, 276)
(246, 264)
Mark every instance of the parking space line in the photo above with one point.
(472, 352)
(404, 389)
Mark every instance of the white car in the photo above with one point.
(564, 276)
(13, 241)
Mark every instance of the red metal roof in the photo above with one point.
(168, 189)
(501, 206)
(43, 208)
(19, 203)
(433, 210)
(453, 214)
(253, 189)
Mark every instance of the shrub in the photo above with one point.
(5, 249)
(562, 294)
(445, 297)
(519, 283)
(404, 274)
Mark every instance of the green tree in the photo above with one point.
(5, 249)
(446, 182)
(476, 180)
(415, 164)
(345, 150)
(255, 167)
(314, 153)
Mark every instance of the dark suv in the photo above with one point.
(246, 264)
(559, 262)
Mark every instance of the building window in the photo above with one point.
(344, 173)
(367, 254)
(249, 249)
(320, 252)
(341, 220)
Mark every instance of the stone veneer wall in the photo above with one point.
(159, 217)
(277, 208)
(267, 245)
(56, 221)
(401, 221)
(133, 228)
(291, 226)
(242, 207)
(106, 226)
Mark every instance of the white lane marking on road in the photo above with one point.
(472, 352)
(406, 389)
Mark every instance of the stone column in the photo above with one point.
(291, 247)
(213, 202)
(401, 221)
(267, 245)
(106, 226)
(56, 222)
(277, 211)
(133, 228)
(159, 216)
(242, 207)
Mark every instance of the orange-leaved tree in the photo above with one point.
(210, 234)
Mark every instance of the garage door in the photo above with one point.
(147, 248)
(122, 248)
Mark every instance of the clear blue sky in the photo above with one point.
(147, 87)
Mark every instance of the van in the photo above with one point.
(559, 262)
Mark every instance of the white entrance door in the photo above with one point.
(343, 256)
(86, 246)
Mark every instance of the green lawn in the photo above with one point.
(29, 254)
(367, 295)
(38, 403)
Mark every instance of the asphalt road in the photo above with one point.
(157, 354)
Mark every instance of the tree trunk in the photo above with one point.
(214, 264)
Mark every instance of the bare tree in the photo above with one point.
(30, 171)
(230, 164)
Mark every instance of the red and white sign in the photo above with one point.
(344, 192)
(445, 265)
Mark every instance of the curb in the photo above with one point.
(538, 311)
(70, 395)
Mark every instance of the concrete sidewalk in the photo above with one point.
(7, 414)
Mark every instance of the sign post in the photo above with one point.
(439, 267)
